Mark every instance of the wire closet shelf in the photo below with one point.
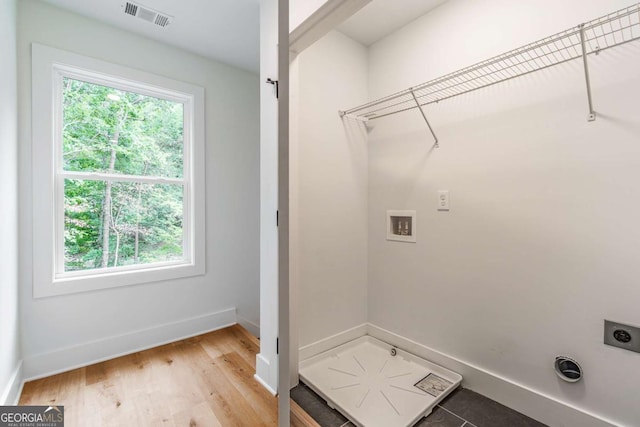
(591, 37)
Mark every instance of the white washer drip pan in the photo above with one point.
(372, 388)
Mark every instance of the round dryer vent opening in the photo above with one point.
(568, 369)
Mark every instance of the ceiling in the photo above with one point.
(229, 30)
(224, 30)
(382, 17)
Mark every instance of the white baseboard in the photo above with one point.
(13, 389)
(532, 403)
(263, 374)
(249, 326)
(328, 343)
(77, 356)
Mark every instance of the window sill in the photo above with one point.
(115, 279)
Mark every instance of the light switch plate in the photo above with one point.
(621, 335)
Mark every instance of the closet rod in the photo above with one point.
(602, 33)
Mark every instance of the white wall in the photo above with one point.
(9, 326)
(541, 243)
(330, 170)
(124, 318)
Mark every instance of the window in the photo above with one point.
(118, 159)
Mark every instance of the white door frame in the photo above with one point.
(283, 214)
(277, 360)
(274, 203)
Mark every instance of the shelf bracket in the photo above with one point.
(592, 114)
(424, 116)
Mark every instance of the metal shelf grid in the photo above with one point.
(591, 37)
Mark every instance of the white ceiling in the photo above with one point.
(224, 30)
(229, 30)
(382, 17)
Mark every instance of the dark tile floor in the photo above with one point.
(463, 408)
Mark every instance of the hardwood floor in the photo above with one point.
(202, 381)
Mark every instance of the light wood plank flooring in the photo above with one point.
(202, 381)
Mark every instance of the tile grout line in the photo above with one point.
(455, 415)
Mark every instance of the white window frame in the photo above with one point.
(49, 67)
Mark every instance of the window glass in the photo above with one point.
(114, 131)
(144, 225)
(108, 133)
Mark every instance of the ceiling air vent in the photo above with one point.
(146, 14)
(131, 9)
(161, 20)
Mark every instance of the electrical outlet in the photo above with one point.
(623, 336)
(443, 200)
